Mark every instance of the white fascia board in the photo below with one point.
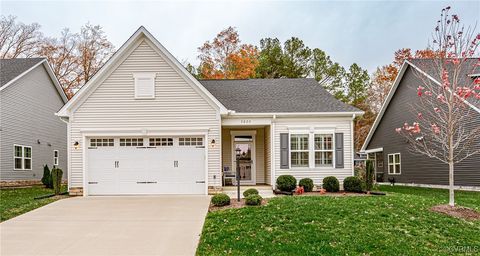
(57, 84)
(440, 84)
(373, 150)
(385, 105)
(21, 75)
(295, 114)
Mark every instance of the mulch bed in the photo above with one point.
(457, 212)
(340, 193)
(234, 204)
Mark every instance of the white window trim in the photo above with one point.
(149, 75)
(56, 158)
(394, 164)
(299, 150)
(22, 157)
(324, 150)
(311, 147)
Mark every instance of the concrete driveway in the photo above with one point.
(147, 225)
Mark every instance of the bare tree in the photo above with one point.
(94, 50)
(62, 55)
(18, 39)
(448, 102)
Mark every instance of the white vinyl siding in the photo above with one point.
(319, 125)
(176, 107)
(394, 163)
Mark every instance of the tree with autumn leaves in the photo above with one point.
(74, 57)
(445, 127)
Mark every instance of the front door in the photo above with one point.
(246, 159)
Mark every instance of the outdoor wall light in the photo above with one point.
(38, 141)
(76, 145)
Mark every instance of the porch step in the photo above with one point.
(264, 191)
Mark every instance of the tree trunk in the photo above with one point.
(450, 187)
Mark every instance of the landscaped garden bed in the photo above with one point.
(400, 223)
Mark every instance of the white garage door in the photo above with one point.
(152, 165)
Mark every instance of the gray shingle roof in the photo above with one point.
(275, 95)
(11, 68)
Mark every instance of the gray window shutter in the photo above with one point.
(284, 151)
(339, 150)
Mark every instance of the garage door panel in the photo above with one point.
(147, 170)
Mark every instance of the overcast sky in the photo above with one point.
(365, 32)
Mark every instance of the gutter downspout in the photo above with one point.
(352, 134)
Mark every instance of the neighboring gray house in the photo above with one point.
(30, 133)
(387, 148)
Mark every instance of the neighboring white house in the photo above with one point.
(144, 125)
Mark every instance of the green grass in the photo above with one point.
(397, 224)
(16, 201)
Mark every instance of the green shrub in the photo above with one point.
(286, 183)
(253, 200)
(331, 184)
(47, 177)
(307, 184)
(57, 180)
(369, 172)
(220, 199)
(352, 184)
(250, 191)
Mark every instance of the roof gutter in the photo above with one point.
(294, 114)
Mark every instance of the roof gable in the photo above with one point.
(426, 72)
(12, 70)
(141, 35)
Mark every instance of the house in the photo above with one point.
(31, 136)
(393, 159)
(144, 125)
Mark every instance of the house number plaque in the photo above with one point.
(245, 121)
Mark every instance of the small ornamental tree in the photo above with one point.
(445, 127)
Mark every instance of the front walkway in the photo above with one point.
(146, 225)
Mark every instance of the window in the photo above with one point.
(394, 163)
(55, 157)
(22, 157)
(144, 85)
(323, 150)
(299, 150)
(131, 142)
(101, 142)
(190, 141)
(162, 142)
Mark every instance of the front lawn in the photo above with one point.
(16, 201)
(397, 224)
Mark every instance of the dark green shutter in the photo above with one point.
(284, 151)
(339, 150)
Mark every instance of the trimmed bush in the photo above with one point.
(220, 199)
(331, 184)
(47, 177)
(307, 184)
(369, 172)
(57, 180)
(250, 191)
(286, 183)
(352, 184)
(253, 200)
